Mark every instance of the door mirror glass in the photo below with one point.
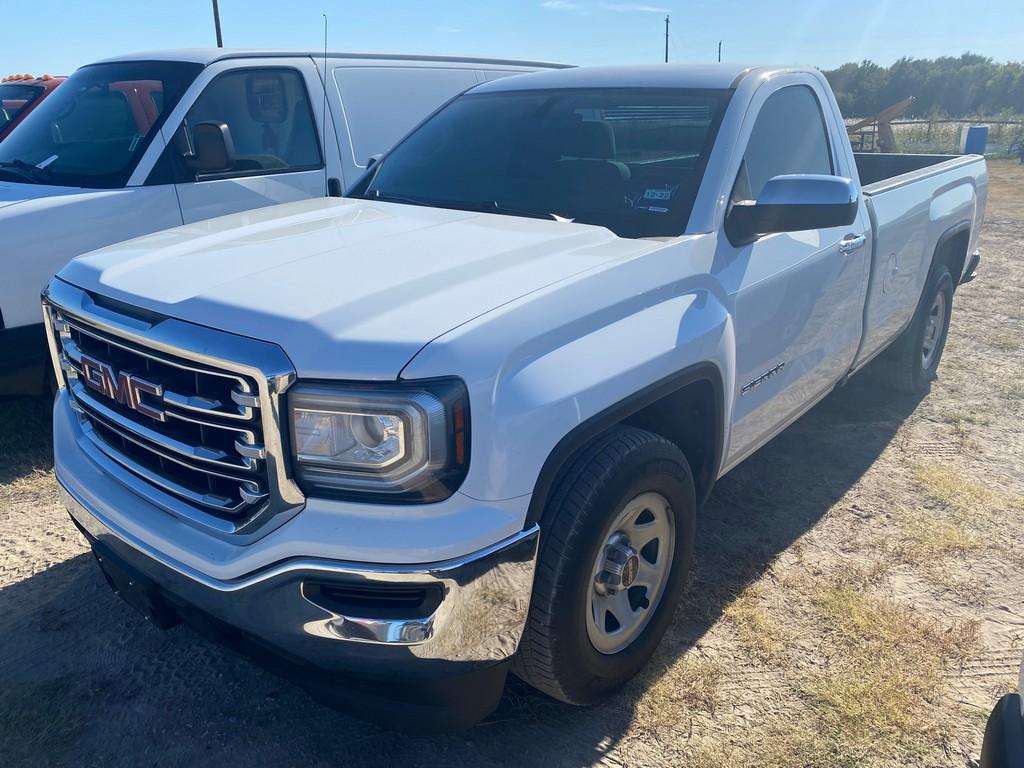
(793, 203)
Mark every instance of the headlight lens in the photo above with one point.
(395, 442)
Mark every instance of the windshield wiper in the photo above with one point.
(399, 199)
(484, 206)
(26, 170)
(493, 206)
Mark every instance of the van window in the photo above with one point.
(264, 121)
(789, 136)
(382, 104)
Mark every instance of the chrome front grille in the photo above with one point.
(194, 432)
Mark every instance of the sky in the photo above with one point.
(57, 36)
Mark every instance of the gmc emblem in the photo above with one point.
(121, 387)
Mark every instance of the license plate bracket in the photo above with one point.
(136, 589)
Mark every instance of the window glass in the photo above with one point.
(264, 122)
(789, 136)
(630, 160)
(13, 99)
(101, 115)
(93, 130)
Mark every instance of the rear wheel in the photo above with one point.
(616, 547)
(911, 363)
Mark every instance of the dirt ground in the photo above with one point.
(857, 600)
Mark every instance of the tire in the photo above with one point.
(905, 366)
(625, 464)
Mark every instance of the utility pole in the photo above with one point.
(667, 40)
(719, 51)
(216, 24)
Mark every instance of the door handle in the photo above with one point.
(851, 243)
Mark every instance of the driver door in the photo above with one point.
(798, 296)
(250, 139)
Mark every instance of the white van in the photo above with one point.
(140, 143)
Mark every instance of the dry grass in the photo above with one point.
(960, 494)
(778, 744)
(1006, 342)
(925, 537)
(673, 691)
(882, 692)
(877, 706)
(881, 625)
(756, 629)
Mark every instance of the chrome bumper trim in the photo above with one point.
(480, 618)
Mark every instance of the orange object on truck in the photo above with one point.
(19, 95)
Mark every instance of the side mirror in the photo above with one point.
(791, 204)
(214, 151)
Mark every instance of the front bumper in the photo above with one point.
(322, 616)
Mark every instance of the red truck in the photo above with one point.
(19, 95)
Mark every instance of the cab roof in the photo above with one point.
(207, 56)
(701, 76)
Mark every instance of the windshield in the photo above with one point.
(14, 99)
(630, 160)
(93, 129)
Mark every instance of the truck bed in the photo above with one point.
(880, 170)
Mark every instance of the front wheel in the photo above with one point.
(616, 548)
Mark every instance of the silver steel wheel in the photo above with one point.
(933, 327)
(630, 572)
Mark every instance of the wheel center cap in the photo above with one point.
(619, 570)
(629, 571)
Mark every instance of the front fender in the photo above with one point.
(42, 234)
(568, 369)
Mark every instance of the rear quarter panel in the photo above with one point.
(910, 215)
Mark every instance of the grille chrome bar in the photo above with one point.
(155, 438)
(242, 411)
(209, 500)
(216, 460)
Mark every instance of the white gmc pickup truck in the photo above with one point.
(462, 421)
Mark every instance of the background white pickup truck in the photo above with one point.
(464, 420)
(140, 143)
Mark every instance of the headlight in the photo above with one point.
(386, 442)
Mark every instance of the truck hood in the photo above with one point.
(349, 289)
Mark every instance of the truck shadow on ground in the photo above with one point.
(84, 680)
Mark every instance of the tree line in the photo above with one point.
(950, 86)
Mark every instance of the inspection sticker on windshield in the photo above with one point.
(658, 194)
